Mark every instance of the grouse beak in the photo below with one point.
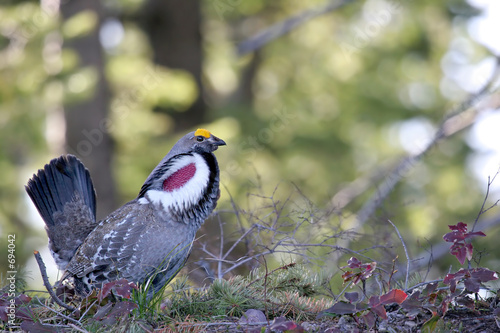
(216, 142)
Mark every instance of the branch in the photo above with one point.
(60, 314)
(46, 283)
(406, 254)
(79, 329)
(456, 120)
(284, 267)
(422, 284)
(279, 29)
(482, 211)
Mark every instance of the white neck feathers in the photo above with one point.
(186, 195)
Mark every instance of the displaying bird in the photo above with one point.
(149, 237)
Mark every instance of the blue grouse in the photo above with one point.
(149, 237)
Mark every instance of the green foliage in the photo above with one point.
(80, 24)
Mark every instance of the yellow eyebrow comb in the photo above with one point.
(202, 132)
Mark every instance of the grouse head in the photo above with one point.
(200, 141)
(186, 181)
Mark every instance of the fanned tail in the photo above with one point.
(64, 195)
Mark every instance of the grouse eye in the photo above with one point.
(199, 138)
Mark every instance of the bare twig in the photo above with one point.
(242, 237)
(422, 284)
(406, 253)
(456, 120)
(221, 249)
(391, 274)
(482, 210)
(284, 267)
(59, 313)
(336, 248)
(278, 227)
(144, 328)
(46, 283)
(265, 288)
(89, 308)
(349, 192)
(343, 291)
(79, 329)
(236, 212)
(279, 29)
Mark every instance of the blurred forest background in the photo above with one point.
(363, 110)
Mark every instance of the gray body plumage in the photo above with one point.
(150, 236)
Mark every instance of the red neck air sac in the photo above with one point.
(179, 178)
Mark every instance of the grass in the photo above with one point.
(285, 291)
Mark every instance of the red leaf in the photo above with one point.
(377, 307)
(472, 285)
(477, 233)
(460, 233)
(460, 226)
(380, 311)
(447, 279)
(24, 313)
(393, 296)
(366, 270)
(24, 298)
(412, 302)
(468, 251)
(454, 236)
(282, 324)
(351, 297)
(484, 274)
(472, 278)
(105, 290)
(370, 268)
(123, 288)
(374, 301)
(122, 309)
(353, 262)
(370, 319)
(342, 308)
(445, 305)
(450, 279)
(347, 276)
(459, 251)
(430, 288)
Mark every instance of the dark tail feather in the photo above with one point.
(64, 195)
(57, 184)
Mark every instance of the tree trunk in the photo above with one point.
(173, 27)
(86, 121)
